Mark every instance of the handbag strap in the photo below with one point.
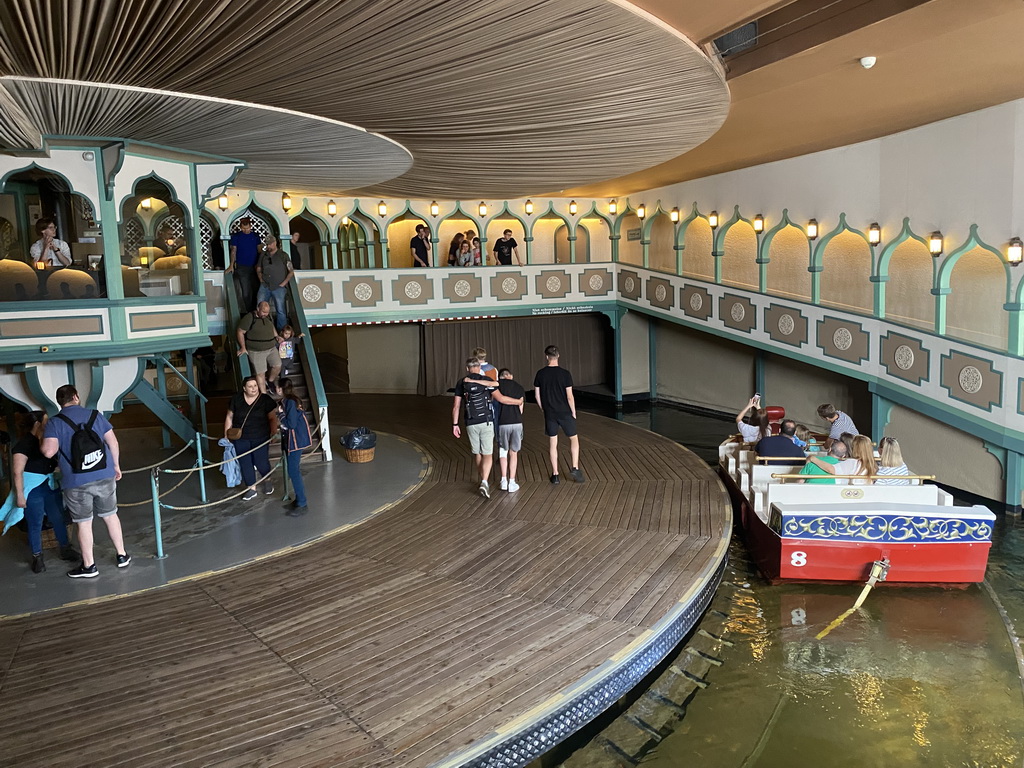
(250, 409)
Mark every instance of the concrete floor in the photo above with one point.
(198, 542)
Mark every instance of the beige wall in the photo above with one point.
(789, 257)
(974, 309)
(958, 459)
(845, 277)
(739, 260)
(697, 259)
(399, 234)
(661, 253)
(636, 359)
(702, 369)
(384, 359)
(600, 245)
(801, 388)
(908, 297)
(630, 251)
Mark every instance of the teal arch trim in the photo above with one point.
(119, 401)
(945, 270)
(241, 211)
(764, 249)
(97, 378)
(648, 224)
(365, 221)
(680, 238)
(187, 207)
(96, 204)
(817, 262)
(551, 212)
(323, 226)
(593, 213)
(719, 236)
(527, 230)
(32, 383)
(881, 276)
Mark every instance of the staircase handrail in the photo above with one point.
(239, 364)
(157, 358)
(312, 367)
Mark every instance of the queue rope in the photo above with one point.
(226, 498)
(187, 445)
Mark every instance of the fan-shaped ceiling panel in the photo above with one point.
(282, 149)
(492, 97)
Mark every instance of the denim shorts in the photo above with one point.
(99, 497)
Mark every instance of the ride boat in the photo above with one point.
(797, 531)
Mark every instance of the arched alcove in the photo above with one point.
(908, 297)
(846, 274)
(974, 308)
(367, 245)
(550, 237)
(697, 259)
(789, 256)
(661, 253)
(631, 250)
(351, 244)
(447, 229)
(495, 228)
(739, 257)
(209, 241)
(562, 255)
(401, 231)
(310, 242)
(599, 246)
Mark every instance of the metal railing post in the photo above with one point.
(200, 465)
(154, 480)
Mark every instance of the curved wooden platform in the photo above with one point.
(448, 630)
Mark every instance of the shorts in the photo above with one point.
(266, 358)
(553, 421)
(481, 438)
(99, 497)
(510, 437)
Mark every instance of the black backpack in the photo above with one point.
(88, 451)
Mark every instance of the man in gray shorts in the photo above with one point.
(89, 479)
(258, 338)
(474, 390)
(509, 395)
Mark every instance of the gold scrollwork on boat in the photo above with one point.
(882, 528)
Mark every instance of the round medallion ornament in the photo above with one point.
(970, 379)
(596, 282)
(413, 289)
(696, 302)
(363, 292)
(737, 312)
(509, 285)
(553, 284)
(842, 339)
(462, 288)
(903, 357)
(629, 284)
(312, 293)
(660, 292)
(786, 324)
(851, 493)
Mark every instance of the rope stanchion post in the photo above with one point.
(199, 464)
(154, 479)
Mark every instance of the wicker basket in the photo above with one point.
(358, 455)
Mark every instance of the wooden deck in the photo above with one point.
(413, 639)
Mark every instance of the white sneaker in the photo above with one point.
(484, 490)
(513, 486)
(504, 483)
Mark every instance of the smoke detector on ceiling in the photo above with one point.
(868, 61)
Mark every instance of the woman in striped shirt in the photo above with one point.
(890, 462)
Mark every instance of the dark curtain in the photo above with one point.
(517, 344)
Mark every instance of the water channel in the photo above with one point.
(918, 677)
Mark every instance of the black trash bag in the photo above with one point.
(359, 438)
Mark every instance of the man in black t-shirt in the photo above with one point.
(419, 247)
(479, 419)
(781, 445)
(552, 387)
(509, 395)
(505, 247)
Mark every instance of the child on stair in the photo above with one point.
(288, 348)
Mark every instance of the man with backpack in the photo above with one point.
(479, 418)
(88, 454)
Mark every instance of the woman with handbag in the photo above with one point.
(256, 417)
(295, 437)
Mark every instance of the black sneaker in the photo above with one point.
(68, 553)
(81, 572)
(577, 475)
(38, 565)
(249, 495)
(555, 480)
(296, 511)
(268, 488)
(123, 561)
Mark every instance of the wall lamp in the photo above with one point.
(759, 224)
(332, 208)
(573, 208)
(812, 229)
(286, 202)
(382, 208)
(935, 243)
(613, 207)
(222, 202)
(345, 221)
(434, 208)
(874, 234)
(482, 208)
(1015, 252)
(713, 219)
(529, 207)
(674, 215)
(147, 203)
(641, 211)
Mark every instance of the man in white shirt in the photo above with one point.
(48, 248)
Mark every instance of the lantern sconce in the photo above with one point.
(286, 202)
(874, 234)
(812, 229)
(147, 203)
(382, 209)
(1015, 252)
(573, 208)
(345, 221)
(613, 207)
(674, 215)
(641, 211)
(482, 208)
(222, 202)
(144, 261)
(713, 219)
(529, 207)
(332, 208)
(935, 243)
(40, 265)
(434, 208)
(758, 224)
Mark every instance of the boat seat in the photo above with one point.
(801, 493)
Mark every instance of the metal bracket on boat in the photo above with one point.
(879, 570)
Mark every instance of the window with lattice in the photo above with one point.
(259, 225)
(134, 238)
(206, 237)
(172, 222)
